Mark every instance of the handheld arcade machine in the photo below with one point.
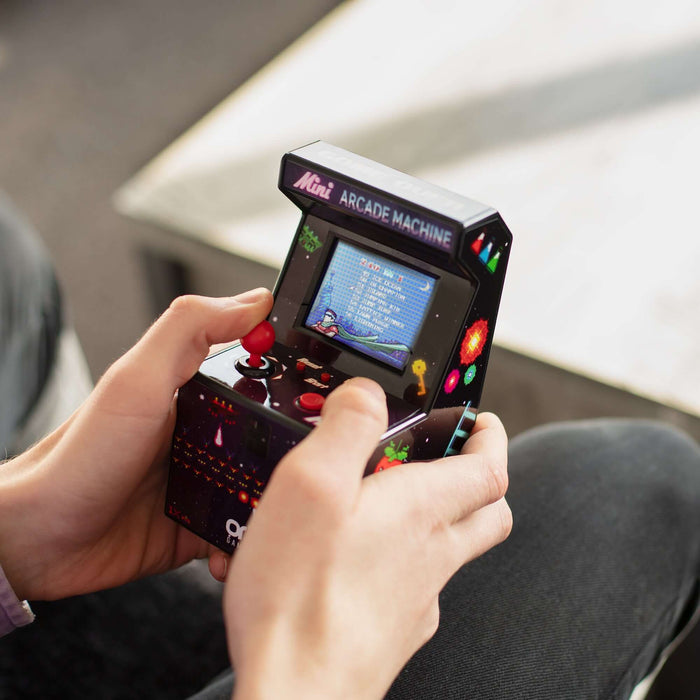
(388, 277)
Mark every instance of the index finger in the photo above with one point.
(144, 380)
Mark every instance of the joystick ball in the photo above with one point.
(258, 342)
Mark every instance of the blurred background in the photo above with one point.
(142, 139)
(576, 123)
(89, 93)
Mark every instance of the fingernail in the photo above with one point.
(251, 297)
(218, 563)
(371, 387)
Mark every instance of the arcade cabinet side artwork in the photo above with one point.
(483, 250)
(387, 277)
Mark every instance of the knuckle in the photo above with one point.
(505, 519)
(183, 309)
(186, 304)
(491, 420)
(496, 477)
(433, 515)
(310, 485)
(357, 402)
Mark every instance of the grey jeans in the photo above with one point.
(30, 321)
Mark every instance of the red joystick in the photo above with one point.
(258, 342)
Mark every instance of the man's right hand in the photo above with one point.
(336, 583)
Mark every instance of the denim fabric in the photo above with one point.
(30, 320)
(597, 578)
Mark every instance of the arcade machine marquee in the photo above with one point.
(388, 277)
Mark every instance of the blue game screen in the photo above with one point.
(373, 305)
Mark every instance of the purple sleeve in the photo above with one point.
(13, 612)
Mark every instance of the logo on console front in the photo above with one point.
(234, 532)
(312, 183)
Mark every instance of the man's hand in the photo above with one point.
(336, 582)
(83, 509)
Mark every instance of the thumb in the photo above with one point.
(354, 418)
(129, 414)
(172, 350)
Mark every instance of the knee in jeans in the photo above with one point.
(637, 465)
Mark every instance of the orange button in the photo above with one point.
(311, 401)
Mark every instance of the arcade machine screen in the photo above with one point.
(371, 304)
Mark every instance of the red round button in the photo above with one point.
(311, 401)
(325, 377)
(301, 367)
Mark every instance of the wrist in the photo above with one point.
(299, 677)
(290, 687)
(266, 675)
(18, 525)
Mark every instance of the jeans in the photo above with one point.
(30, 321)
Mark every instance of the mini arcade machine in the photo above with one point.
(387, 277)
